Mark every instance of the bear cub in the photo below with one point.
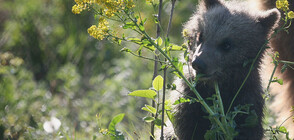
(222, 37)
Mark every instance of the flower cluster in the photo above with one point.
(81, 5)
(290, 14)
(108, 7)
(101, 31)
(284, 5)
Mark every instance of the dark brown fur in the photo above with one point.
(218, 22)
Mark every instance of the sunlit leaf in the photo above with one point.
(149, 109)
(135, 40)
(141, 27)
(159, 41)
(129, 25)
(158, 83)
(125, 50)
(148, 119)
(283, 129)
(115, 120)
(144, 93)
(181, 100)
(280, 81)
(170, 116)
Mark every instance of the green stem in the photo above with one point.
(220, 101)
(287, 62)
(285, 120)
(272, 75)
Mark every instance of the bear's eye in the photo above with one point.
(225, 46)
(199, 38)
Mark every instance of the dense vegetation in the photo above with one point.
(52, 69)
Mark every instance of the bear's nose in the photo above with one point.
(199, 66)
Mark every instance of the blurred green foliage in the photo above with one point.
(51, 67)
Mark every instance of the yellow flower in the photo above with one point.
(282, 4)
(104, 131)
(76, 9)
(279, 4)
(185, 33)
(291, 15)
(114, 6)
(101, 31)
(81, 5)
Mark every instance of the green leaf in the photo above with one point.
(178, 65)
(144, 20)
(115, 120)
(158, 83)
(141, 27)
(125, 50)
(135, 40)
(144, 93)
(171, 116)
(158, 122)
(148, 119)
(159, 41)
(283, 129)
(280, 81)
(167, 105)
(181, 100)
(146, 42)
(149, 109)
(174, 47)
(129, 25)
(174, 86)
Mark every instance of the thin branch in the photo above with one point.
(165, 71)
(171, 17)
(147, 58)
(156, 63)
(163, 102)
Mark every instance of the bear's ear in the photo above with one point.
(211, 3)
(269, 19)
